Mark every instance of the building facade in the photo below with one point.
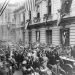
(20, 23)
(6, 23)
(43, 24)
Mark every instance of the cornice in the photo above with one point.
(64, 21)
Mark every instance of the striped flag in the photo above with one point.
(58, 18)
(65, 9)
(30, 5)
(26, 24)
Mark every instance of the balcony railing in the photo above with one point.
(35, 20)
(29, 21)
(47, 17)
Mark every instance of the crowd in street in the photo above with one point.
(37, 60)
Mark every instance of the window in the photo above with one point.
(38, 15)
(49, 7)
(49, 37)
(64, 36)
(38, 11)
(38, 36)
(30, 15)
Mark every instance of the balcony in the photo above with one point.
(47, 17)
(29, 21)
(36, 20)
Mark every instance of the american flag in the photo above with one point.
(30, 5)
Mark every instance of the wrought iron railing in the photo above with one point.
(47, 17)
(35, 20)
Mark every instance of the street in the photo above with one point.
(18, 73)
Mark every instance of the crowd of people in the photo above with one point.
(39, 60)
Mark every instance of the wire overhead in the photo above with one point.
(4, 7)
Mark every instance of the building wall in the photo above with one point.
(72, 34)
(42, 35)
(17, 35)
(5, 19)
(43, 9)
(26, 37)
(55, 35)
(0, 33)
(26, 15)
(72, 11)
(56, 4)
(33, 35)
(5, 32)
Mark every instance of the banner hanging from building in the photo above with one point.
(30, 5)
(65, 9)
(26, 24)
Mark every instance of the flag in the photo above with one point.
(58, 17)
(30, 5)
(26, 24)
(65, 9)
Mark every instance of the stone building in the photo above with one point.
(46, 30)
(6, 21)
(20, 23)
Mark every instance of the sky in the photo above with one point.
(12, 1)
